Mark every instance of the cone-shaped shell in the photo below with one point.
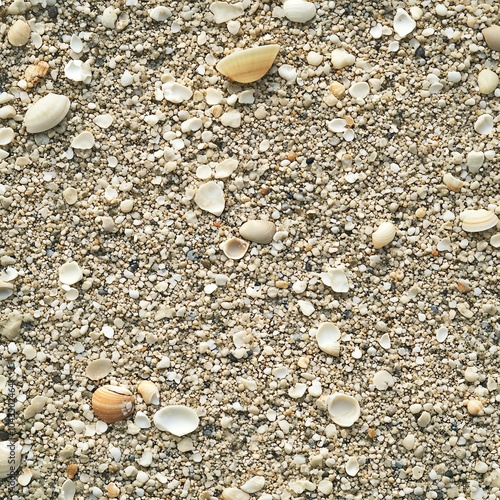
(343, 409)
(474, 221)
(46, 113)
(177, 419)
(249, 65)
(234, 248)
(149, 392)
(112, 403)
(384, 234)
(492, 37)
(260, 231)
(10, 458)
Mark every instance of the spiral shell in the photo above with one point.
(112, 403)
(383, 235)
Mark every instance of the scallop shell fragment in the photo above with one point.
(299, 11)
(259, 231)
(475, 221)
(384, 234)
(46, 113)
(70, 273)
(149, 392)
(210, 197)
(327, 337)
(10, 458)
(112, 403)
(249, 65)
(177, 419)
(343, 409)
(492, 37)
(235, 248)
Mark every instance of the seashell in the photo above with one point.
(6, 289)
(343, 409)
(76, 44)
(359, 90)
(341, 59)
(46, 113)
(234, 248)
(35, 72)
(484, 124)
(7, 112)
(327, 337)
(382, 380)
(175, 92)
(495, 240)
(112, 403)
(70, 273)
(68, 490)
(337, 125)
(487, 81)
(177, 419)
(149, 392)
(474, 221)
(287, 72)
(249, 65)
(160, 13)
(299, 11)
(492, 37)
(452, 182)
(191, 125)
(78, 71)
(336, 279)
(19, 33)
(103, 121)
(224, 12)
(99, 369)
(6, 136)
(259, 231)
(85, 140)
(403, 23)
(352, 466)
(475, 160)
(210, 197)
(474, 407)
(337, 89)
(384, 234)
(10, 458)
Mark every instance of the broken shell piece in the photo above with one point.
(492, 37)
(452, 183)
(46, 113)
(99, 369)
(35, 72)
(259, 231)
(234, 248)
(149, 392)
(176, 93)
(484, 124)
(382, 380)
(70, 273)
(6, 136)
(299, 11)
(19, 33)
(359, 90)
(225, 168)
(341, 59)
(112, 403)
(487, 81)
(160, 13)
(337, 89)
(248, 65)
(403, 23)
(475, 221)
(78, 71)
(352, 466)
(85, 140)
(474, 407)
(383, 235)
(343, 409)
(103, 121)
(177, 419)
(210, 197)
(336, 279)
(224, 12)
(495, 240)
(10, 458)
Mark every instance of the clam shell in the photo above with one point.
(19, 33)
(352, 466)
(384, 234)
(487, 81)
(299, 11)
(249, 65)
(475, 221)
(343, 409)
(10, 458)
(234, 248)
(210, 197)
(382, 380)
(259, 231)
(177, 419)
(99, 368)
(112, 403)
(452, 182)
(70, 273)
(492, 37)
(475, 407)
(46, 113)
(327, 337)
(149, 392)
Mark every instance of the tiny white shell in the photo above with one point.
(177, 419)
(10, 458)
(299, 11)
(176, 93)
(403, 23)
(359, 90)
(495, 240)
(474, 221)
(234, 248)
(259, 231)
(343, 409)
(210, 197)
(70, 273)
(327, 337)
(492, 37)
(475, 160)
(487, 81)
(384, 234)
(46, 113)
(352, 466)
(85, 140)
(103, 121)
(484, 124)
(224, 12)
(149, 392)
(452, 182)
(19, 33)
(382, 380)
(6, 289)
(225, 168)
(6, 136)
(160, 13)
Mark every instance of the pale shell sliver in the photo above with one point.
(149, 392)
(384, 234)
(234, 248)
(249, 65)
(259, 231)
(10, 458)
(343, 409)
(475, 221)
(299, 11)
(46, 113)
(327, 337)
(177, 419)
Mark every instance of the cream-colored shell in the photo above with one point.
(46, 113)
(234, 248)
(259, 231)
(492, 37)
(452, 183)
(10, 458)
(474, 407)
(384, 234)
(343, 409)
(487, 81)
(149, 392)
(299, 11)
(19, 33)
(249, 65)
(177, 419)
(210, 197)
(112, 403)
(327, 337)
(475, 221)
(99, 369)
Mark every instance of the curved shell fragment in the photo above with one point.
(99, 369)
(177, 419)
(452, 183)
(403, 24)
(85, 140)
(176, 93)
(343, 409)
(336, 278)
(112, 403)
(491, 36)
(484, 124)
(235, 248)
(224, 12)
(210, 197)
(149, 392)
(78, 71)
(46, 113)
(382, 380)
(6, 136)
(327, 337)
(299, 11)
(70, 273)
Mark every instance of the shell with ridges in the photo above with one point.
(249, 65)
(474, 407)
(234, 248)
(46, 113)
(492, 37)
(384, 234)
(259, 231)
(343, 409)
(452, 182)
(149, 392)
(475, 221)
(177, 419)
(19, 33)
(299, 11)
(112, 403)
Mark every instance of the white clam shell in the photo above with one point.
(210, 197)
(474, 221)
(359, 90)
(487, 81)
(352, 466)
(452, 182)
(70, 273)
(6, 136)
(249, 65)
(404, 24)
(149, 392)
(259, 231)
(46, 113)
(495, 240)
(177, 419)
(224, 12)
(382, 380)
(103, 121)
(492, 37)
(234, 248)
(10, 458)
(343, 409)
(327, 337)
(19, 33)
(299, 11)
(384, 234)
(99, 369)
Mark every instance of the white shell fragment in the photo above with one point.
(403, 23)
(336, 278)
(149, 392)
(487, 81)
(259, 231)
(160, 13)
(103, 121)
(70, 273)
(85, 140)
(452, 183)
(491, 36)
(484, 124)
(441, 334)
(78, 71)
(352, 466)
(99, 369)
(177, 419)
(235, 248)
(176, 93)
(475, 160)
(6, 289)
(224, 12)
(249, 65)
(341, 59)
(254, 484)
(359, 90)
(475, 221)
(382, 380)
(210, 197)
(299, 11)
(10, 458)
(343, 409)
(46, 113)
(225, 168)
(6, 136)
(495, 240)
(384, 234)
(327, 337)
